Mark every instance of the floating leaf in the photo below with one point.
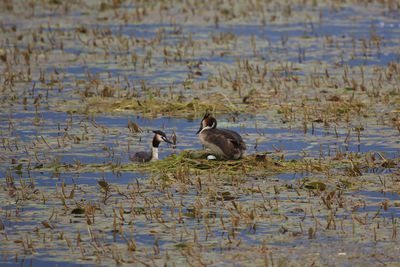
(78, 211)
(18, 167)
(104, 184)
(316, 185)
(189, 215)
(345, 183)
(226, 196)
(48, 225)
(182, 245)
(38, 166)
(389, 163)
(396, 204)
(139, 210)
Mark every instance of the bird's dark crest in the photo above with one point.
(160, 133)
(206, 115)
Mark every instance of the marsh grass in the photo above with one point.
(159, 107)
(314, 83)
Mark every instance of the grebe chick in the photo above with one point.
(223, 143)
(144, 156)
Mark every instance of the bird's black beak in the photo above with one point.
(166, 140)
(199, 130)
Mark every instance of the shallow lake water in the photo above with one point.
(312, 87)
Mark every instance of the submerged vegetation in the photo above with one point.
(312, 86)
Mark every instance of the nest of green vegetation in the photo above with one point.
(191, 162)
(196, 162)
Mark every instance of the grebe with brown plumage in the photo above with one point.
(224, 143)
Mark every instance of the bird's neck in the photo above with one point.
(206, 128)
(155, 143)
(154, 153)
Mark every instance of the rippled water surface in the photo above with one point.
(314, 86)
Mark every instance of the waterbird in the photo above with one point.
(144, 156)
(224, 143)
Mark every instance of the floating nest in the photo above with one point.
(197, 162)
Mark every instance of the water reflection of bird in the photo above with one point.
(223, 143)
(144, 156)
